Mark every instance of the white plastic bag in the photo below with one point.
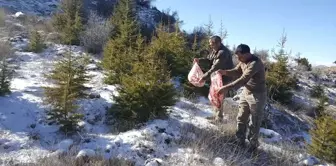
(195, 75)
(216, 82)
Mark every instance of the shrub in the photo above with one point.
(96, 33)
(69, 76)
(323, 143)
(263, 55)
(5, 71)
(304, 62)
(320, 108)
(36, 42)
(70, 160)
(317, 91)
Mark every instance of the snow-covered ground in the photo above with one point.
(41, 7)
(26, 136)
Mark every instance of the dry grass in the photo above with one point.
(210, 143)
(72, 161)
(331, 69)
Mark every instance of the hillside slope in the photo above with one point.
(33, 138)
(186, 137)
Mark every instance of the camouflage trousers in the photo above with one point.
(250, 115)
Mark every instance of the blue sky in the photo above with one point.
(310, 25)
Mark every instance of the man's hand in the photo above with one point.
(196, 60)
(222, 90)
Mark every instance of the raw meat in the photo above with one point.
(216, 82)
(195, 75)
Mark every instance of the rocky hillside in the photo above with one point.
(148, 15)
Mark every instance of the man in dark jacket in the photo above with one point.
(220, 58)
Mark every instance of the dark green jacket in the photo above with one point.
(221, 59)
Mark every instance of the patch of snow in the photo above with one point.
(307, 137)
(18, 14)
(154, 162)
(58, 152)
(310, 161)
(40, 7)
(146, 16)
(218, 162)
(271, 136)
(86, 153)
(65, 144)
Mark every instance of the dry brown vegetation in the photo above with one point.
(210, 143)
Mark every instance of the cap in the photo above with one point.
(243, 49)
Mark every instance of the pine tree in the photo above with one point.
(5, 71)
(5, 76)
(36, 42)
(172, 47)
(69, 77)
(146, 92)
(209, 32)
(195, 44)
(279, 81)
(317, 91)
(320, 108)
(118, 55)
(124, 21)
(223, 33)
(140, 47)
(69, 22)
(323, 144)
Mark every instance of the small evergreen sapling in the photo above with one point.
(317, 91)
(118, 56)
(5, 71)
(5, 78)
(146, 92)
(69, 77)
(279, 80)
(321, 108)
(36, 42)
(323, 144)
